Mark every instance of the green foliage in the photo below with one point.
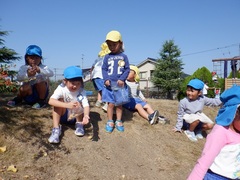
(6, 55)
(206, 76)
(168, 70)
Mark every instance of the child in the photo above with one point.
(96, 73)
(35, 76)
(70, 104)
(115, 70)
(190, 115)
(220, 158)
(138, 101)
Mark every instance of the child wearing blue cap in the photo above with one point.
(220, 158)
(70, 104)
(190, 111)
(115, 71)
(34, 77)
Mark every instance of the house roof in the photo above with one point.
(151, 60)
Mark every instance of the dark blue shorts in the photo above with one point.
(133, 102)
(34, 97)
(64, 119)
(187, 125)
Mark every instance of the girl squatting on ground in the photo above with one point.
(70, 104)
(115, 70)
(220, 158)
(34, 77)
(190, 111)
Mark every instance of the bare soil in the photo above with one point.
(141, 152)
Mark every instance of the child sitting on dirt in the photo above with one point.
(190, 115)
(34, 77)
(220, 156)
(137, 100)
(70, 104)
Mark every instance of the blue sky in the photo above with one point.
(71, 32)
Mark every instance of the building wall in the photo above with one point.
(147, 67)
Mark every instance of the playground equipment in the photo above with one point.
(217, 67)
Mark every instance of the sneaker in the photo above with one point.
(105, 107)
(11, 103)
(39, 105)
(98, 103)
(190, 135)
(152, 118)
(109, 128)
(56, 132)
(199, 135)
(79, 129)
(162, 120)
(14, 102)
(119, 125)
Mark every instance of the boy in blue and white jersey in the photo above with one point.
(115, 70)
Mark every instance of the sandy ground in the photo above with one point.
(141, 152)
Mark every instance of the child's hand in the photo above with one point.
(72, 105)
(120, 83)
(31, 72)
(85, 119)
(107, 83)
(176, 130)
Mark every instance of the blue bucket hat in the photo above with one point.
(196, 84)
(72, 72)
(34, 50)
(231, 101)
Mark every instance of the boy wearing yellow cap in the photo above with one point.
(138, 101)
(115, 70)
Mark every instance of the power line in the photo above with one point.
(211, 50)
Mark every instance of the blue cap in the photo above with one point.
(231, 101)
(196, 84)
(72, 72)
(34, 50)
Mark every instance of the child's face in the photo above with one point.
(114, 47)
(33, 60)
(73, 85)
(131, 76)
(192, 93)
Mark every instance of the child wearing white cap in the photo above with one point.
(137, 100)
(115, 70)
(190, 116)
(70, 104)
(34, 77)
(220, 157)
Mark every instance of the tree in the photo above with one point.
(168, 71)
(6, 55)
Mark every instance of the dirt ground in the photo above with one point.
(141, 152)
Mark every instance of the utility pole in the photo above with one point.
(55, 74)
(82, 60)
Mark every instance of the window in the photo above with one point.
(143, 75)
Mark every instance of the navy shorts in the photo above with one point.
(187, 125)
(34, 97)
(64, 119)
(133, 102)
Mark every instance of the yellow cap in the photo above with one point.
(136, 70)
(104, 50)
(114, 36)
